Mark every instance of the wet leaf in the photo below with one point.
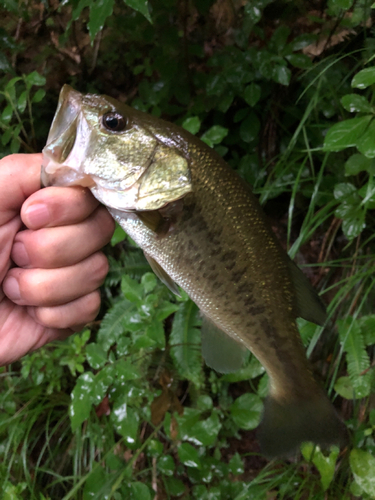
(81, 400)
(22, 101)
(118, 236)
(282, 74)
(356, 102)
(38, 96)
(34, 78)
(166, 465)
(364, 78)
(125, 421)
(140, 6)
(366, 143)
(246, 411)
(99, 11)
(252, 94)
(344, 387)
(299, 61)
(205, 432)
(140, 491)
(249, 128)
(192, 124)
(325, 464)
(236, 464)
(358, 163)
(343, 190)
(96, 355)
(346, 133)
(189, 455)
(214, 135)
(362, 464)
(131, 289)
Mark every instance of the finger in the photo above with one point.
(53, 287)
(65, 245)
(72, 315)
(58, 206)
(19, 178)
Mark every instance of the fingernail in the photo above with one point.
(11, 288)
(20, 255)
(37, 215)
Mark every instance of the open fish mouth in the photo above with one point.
(61, 160)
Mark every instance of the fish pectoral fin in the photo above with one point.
(309, 304)
(220, 351)
(162, 275)
(154, 220)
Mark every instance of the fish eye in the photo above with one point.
(114, 122)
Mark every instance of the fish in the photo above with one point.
(202, 229)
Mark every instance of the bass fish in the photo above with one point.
(201, 227)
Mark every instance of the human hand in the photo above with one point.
(54, 289)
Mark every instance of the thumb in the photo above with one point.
(19, 178)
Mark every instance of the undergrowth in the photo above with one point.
(284, 91)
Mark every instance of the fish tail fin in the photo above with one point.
(286, 425)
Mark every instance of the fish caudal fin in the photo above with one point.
(285, 426)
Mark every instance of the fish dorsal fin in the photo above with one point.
(221, 352)
(162, 275)
(309, 304)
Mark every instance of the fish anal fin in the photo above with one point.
(220, 351)
(286, 425)
(162, 275)
(308, 302)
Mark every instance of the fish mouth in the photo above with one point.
(56, 170)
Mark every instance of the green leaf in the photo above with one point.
(166, 465)
(99, 11)
(35, 78)
(205, 432)
(359, 163)
(354, 221)
(252, 94)
(189, 456)
(22, 101)
(362, 464)
(325, 464)
(131, 289)
(7, 114)
(214, 135)
(343, 190)
(118, 235)
(126, 370)
(366, 143)
(299, 61)
(356, 355)
(364, 78)
(302, 41)
(81, 400)
(175, 487)
(185, 342)
(94, 482)
(355, 102)
(346, 133)
(251, 370)
(341, 4)
(249, 128)
(38, 96)
(236, 465)
(96, 356)
(140, 6)
(367, 324)
(344, 387)
(281, 74)
(125, 421)
(114, 323)
(140, 491)
(192, 124)
(246, 411)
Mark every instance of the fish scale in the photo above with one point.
(201, 227)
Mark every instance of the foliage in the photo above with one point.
(126, 408)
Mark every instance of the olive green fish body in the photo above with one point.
(200, 226)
